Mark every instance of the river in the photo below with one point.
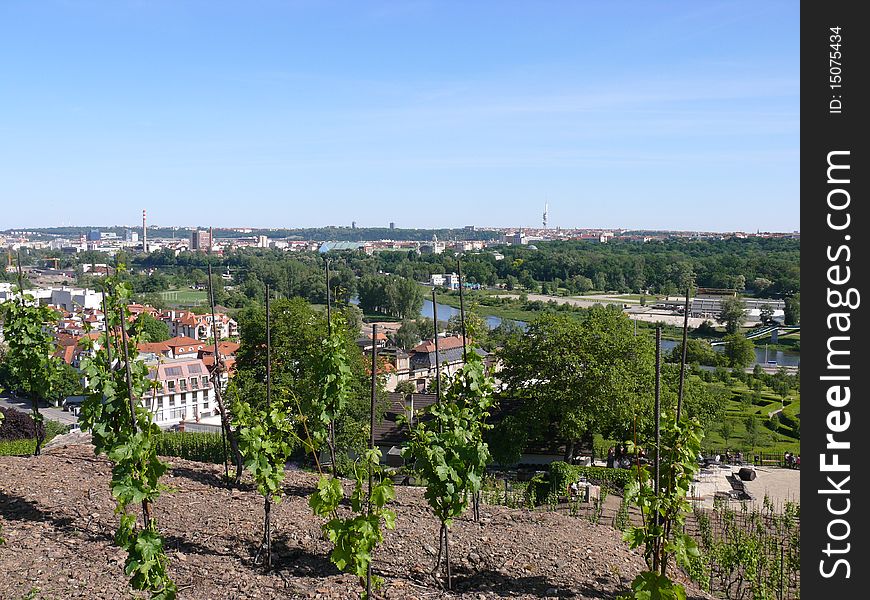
(445, 312)
(783, 359)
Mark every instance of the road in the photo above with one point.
(50, 413)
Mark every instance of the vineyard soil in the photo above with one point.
(56, 515)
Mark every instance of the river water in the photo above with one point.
(783, 359)
(445, 312)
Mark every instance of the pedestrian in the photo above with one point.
(611, 457)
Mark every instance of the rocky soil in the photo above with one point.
(57, 517)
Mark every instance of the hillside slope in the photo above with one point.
(57, 518)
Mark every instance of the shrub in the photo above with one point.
(561, 474)
(18, 426)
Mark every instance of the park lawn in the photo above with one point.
(781, 440)
(184, 297)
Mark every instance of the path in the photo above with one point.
(49, 412)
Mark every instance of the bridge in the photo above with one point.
(766, 330)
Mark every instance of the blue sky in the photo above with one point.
(642, 114)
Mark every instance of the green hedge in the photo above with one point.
(199, 447)
(561, 474)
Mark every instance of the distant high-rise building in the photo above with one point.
(131, 236)
(353, 225)
(392, 225)
(263, 241)
(200, 240)
(546, 211)
(94, 235)
(144, 233)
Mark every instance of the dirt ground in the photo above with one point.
(57, 518)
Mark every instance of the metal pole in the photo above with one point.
(216, 370)
(328, 303)
(372, 443)
(437, 360)
(146, 505)
(462, 312)
(268, 352)
(331, 425)
(683, 361)
(20, 278)
(658, 432)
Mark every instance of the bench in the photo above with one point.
(738, 488)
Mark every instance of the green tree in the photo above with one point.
(732, 314)
(407, 336)
(697, 351)
(28, 364)
(739, 351)
(793, 309)
(727, 430)
(753, 435)
(765, 315)
(153, 330)
(576, 378)
(68, 383)
(476, 327)
(298, 332)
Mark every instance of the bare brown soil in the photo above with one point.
(57, 517)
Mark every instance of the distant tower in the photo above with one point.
(392, 225)
(546, 210)
(353, 224)
(144, 233)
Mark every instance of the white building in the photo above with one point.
(185, 392)
(448, 280)
(68, 298)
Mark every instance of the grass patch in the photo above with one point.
(184, 297)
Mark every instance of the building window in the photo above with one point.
(159, 416)
(172, 400)
(204, 381)
(205, 405)
(170, 385)
(183, 399)
(182, 383)
(194, 383)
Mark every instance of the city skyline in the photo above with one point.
(668, 116)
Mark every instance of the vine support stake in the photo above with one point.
(683, 360)
(462, 312)
(146, 506)
(658, 414)
(226, 428)
(329, 333)
(267, 532)
(216, 370)
(372, 444)
(437, 359)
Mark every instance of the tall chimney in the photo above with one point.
(144, 233)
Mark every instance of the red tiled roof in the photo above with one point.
(155, 347)
(225, 348)
(181, 341)
(66, 353)
(445, 343)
